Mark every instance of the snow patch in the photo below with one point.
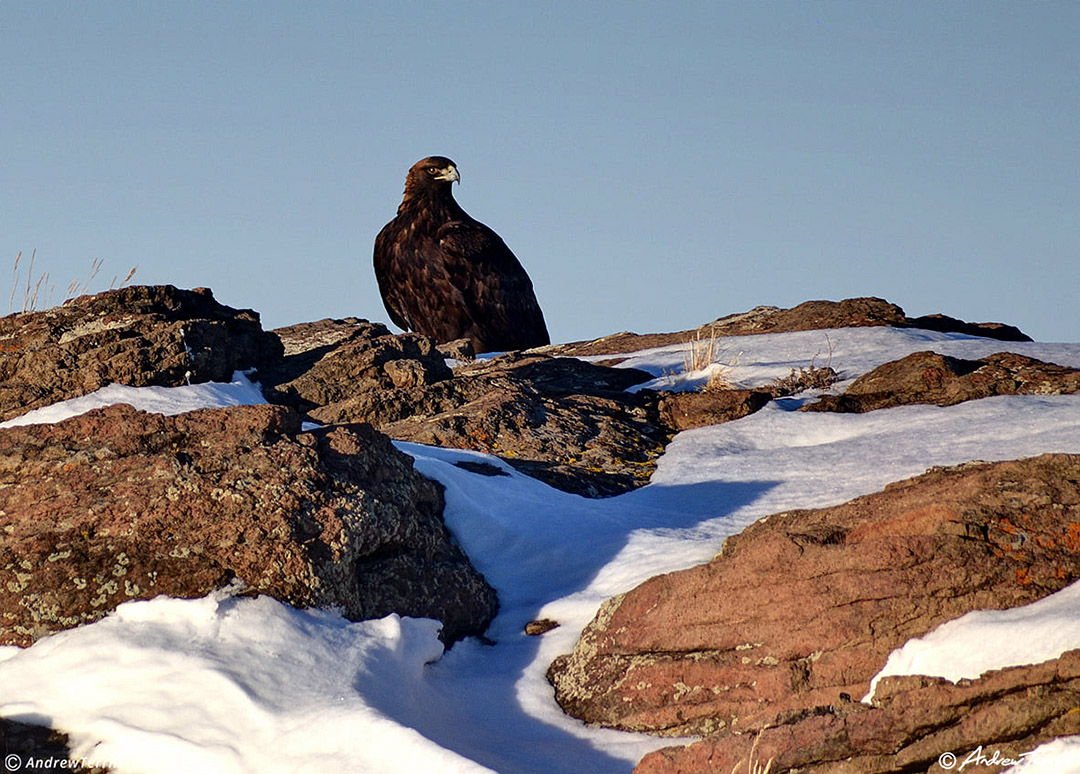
(157, 400)
(222, 684)
(986, 640)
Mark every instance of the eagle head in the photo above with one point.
(437, 170)
(429, 180)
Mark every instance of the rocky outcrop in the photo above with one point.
(136, 336)
(802, 608)
(927, 377)
(760, 651)
(811, 315)
(569, 423)
(334, 360)
(688, 410)
(319, 337)
(988, 330)
(564, 421)
(916, 724)
(117, 504)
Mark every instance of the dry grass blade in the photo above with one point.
(39, 291)
(43, 279)
(77, 288)
(29, 280)
(703, 353)
(31, 290)
(14, 282)
(125, 281)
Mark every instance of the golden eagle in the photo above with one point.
(447, 276)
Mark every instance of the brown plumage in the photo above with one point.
(447, 276)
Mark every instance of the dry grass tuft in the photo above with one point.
(76, 288)
(34, 298)
(704, 353)
(701, 352)
(125, 280)
(32, 290)
(813, 377)
(719, 379)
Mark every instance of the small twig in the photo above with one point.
(828, 362)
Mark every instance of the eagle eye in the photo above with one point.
(433, 170)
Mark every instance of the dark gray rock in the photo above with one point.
(564, 421)
(27, 748)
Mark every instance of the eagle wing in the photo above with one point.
(398, 277)
(497, 294)
(459, 280)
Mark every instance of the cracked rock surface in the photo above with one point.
(118, 504)
(138, 336)
(802, 608)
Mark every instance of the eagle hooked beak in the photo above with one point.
(450, 173)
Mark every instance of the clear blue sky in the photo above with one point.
(653, 165)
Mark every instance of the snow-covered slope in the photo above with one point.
(249, 685)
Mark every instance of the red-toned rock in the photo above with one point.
(804, 607)
(137, 336)
(927, 377)
(118, 504)
(986, 724)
